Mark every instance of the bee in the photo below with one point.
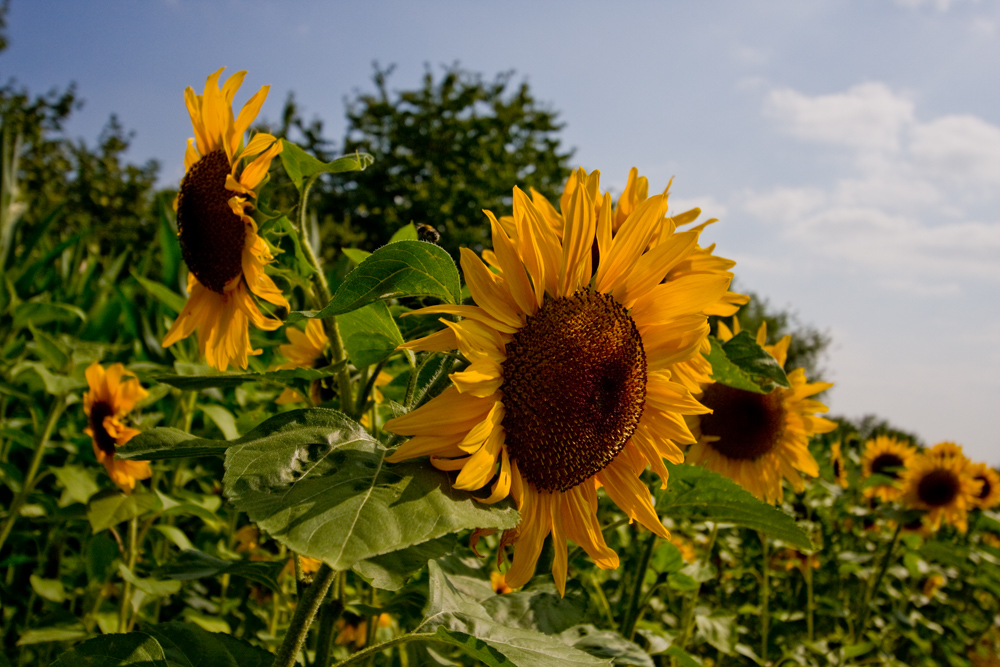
(427, 233)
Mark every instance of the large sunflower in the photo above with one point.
(989, 491)
(943, 486)
(758, 439)
(111, 398)
(569, 387)
(886, 456)
(305, 349)
(219, 241)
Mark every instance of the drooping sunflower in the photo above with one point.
(219, 241)
(107, 403)
(757, 440)
(989, 490)
(837, 462)
(887, 456)
(569, 387)
(941, 486)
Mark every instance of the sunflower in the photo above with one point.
(886, 456)
(989, 491)
(758, 439)
(568, 387)
(945, 451)
(837, 462)
(306, 349)
(111, 398)
(219, 241)
(942, 486)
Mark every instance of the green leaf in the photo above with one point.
(405, 233)
(149, 586)
(356, 255)
(606, 644)
(684, 659)
(50, 350)
(79, 484)
(113, 509)
(210, 378)
(300, 166)
(370, 334)
(465, 623)
(392, 570)
(49, 589)
(169, 443)
(401, 269)
(38, 314)
(162, 293)
(194, 564)
(170, 247)
(223, 419)
(136, 648)
(703, 495)
(284, 227)
(188, 645)
(743, 364)
(175, 535)
(318, 482)
(53, 633)
(540, 608)
(716, 628)
(57, 385)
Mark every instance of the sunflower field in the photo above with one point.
(240, 445)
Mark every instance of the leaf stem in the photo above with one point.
(370, 651)
(58, 405)
(305, 612)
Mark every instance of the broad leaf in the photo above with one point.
(149, 586)
(187, 645)
(465, 623)
(162, 293)
(318, 482)
(356, 255)
(607, 644)
(210, 378)
(169, 443)
(136, 649)
(370, 334)
(113, 509)
(701, 494)
(194, 564)
(540, 608)
(300, 166)
(743, 364)
(391, 571)
(400, 269)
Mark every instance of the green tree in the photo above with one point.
(443, 152)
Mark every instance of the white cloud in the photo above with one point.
(917, 206)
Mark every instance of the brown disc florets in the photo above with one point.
(98, 411)
(887, 464)
(984, 490)
(574, 388)
(938, 487)
(211, 235)
(747, 425)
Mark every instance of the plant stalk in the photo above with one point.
(632, 611)
(870, 590)
(371, 651)
(58, 405)
(810, 598)
(133, 531)
(765, 595)
(305, 612)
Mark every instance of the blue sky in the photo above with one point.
(850, 149)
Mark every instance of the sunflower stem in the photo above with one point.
(345, 389)
(305, 611)
(873, 588)
(58, 405)
(765, 594)
(372, 651)
(810, 598)
(632, 611)
(687, 607)
(133, 532)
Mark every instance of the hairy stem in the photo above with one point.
(305, 611)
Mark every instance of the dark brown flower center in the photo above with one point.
(938, 487)
(574, 388)
(984, 491)
(836, 468)
(211, 234)
(98, 411)
(747, 425)
(887, 464)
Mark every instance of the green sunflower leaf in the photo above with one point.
(743, 364)
(370, 334)
(317, 482)
(460, 621)
(300, 166)
(208, 377)
(391, 571)
(703, 495)
(162, 293)
(187, 645)
(135, 648)
(400, 269)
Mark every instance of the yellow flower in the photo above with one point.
(791, 559)
(219, 241)
(945, 451)
(111, 398)
(685, 546)
(304, 350)
(943, 486)
(989, 490)
(356, 632)
(837, 461)
(932, 585)
(758, 439)
(569, 386)
(884, 455)
(499, 583)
